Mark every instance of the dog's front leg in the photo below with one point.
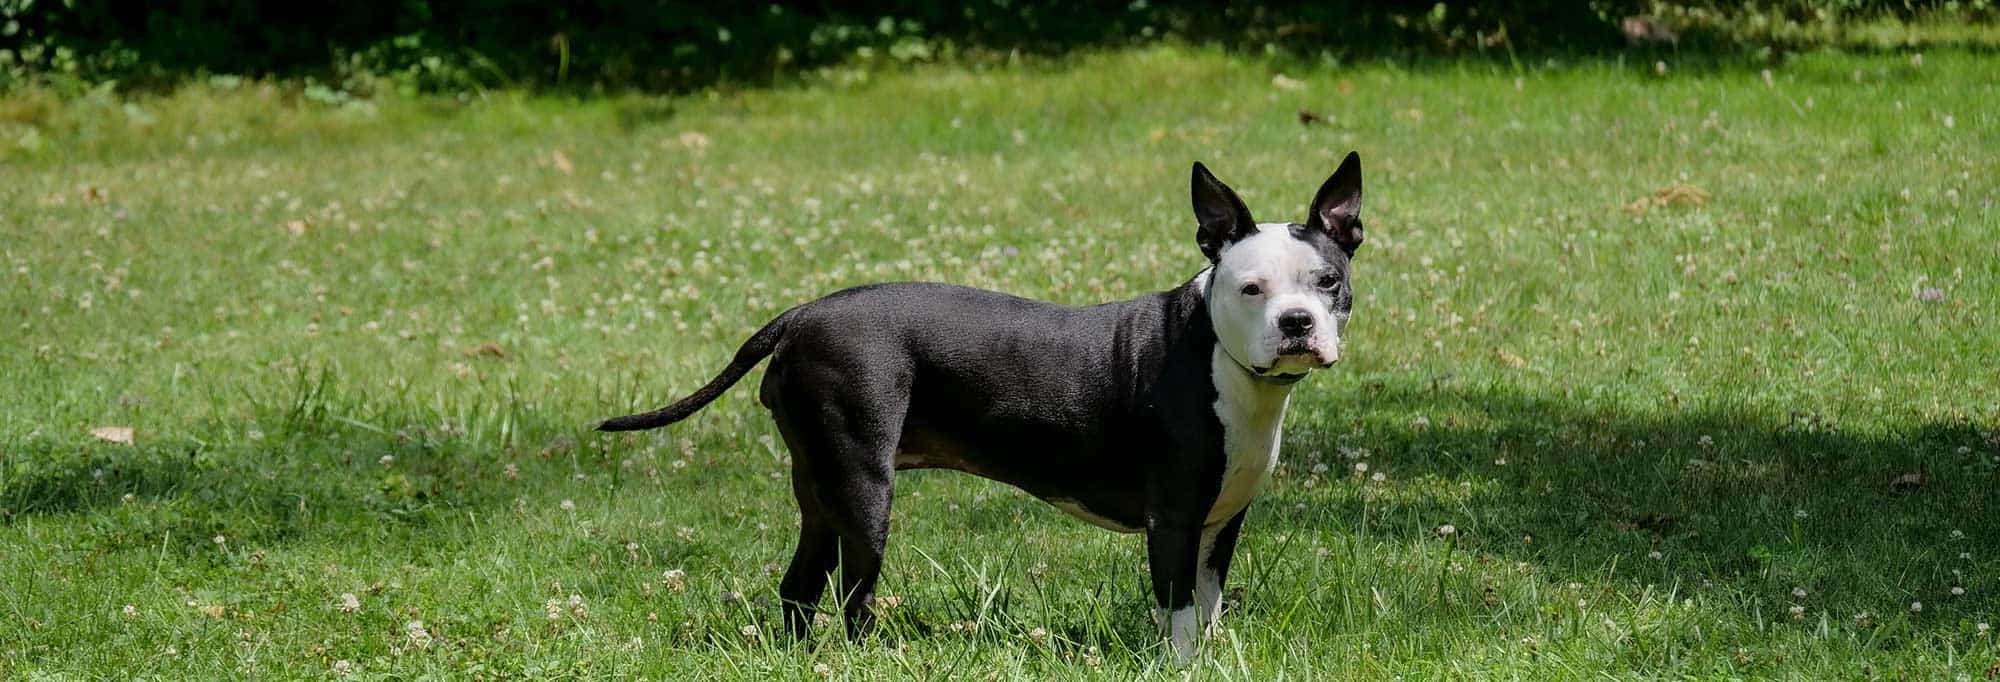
(1218, 545)
(1172, 550)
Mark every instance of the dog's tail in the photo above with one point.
(753, 351)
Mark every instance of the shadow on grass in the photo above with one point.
(1730, 491)
(304, 488)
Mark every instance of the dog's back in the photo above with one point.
(1020, 381)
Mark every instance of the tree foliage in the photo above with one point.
(676, 44)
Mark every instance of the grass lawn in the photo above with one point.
(1653, 343)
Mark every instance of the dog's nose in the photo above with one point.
(1295, 322)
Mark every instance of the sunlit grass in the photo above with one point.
(361, 346)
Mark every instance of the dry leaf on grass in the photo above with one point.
(562, 162)
(1284, 82)
(1509, 359)
(486, 350)
(116, 434)
(1677, 194)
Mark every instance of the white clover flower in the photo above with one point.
(349, 603)
(343, 667)
(1799, 592)
(567, 505)
(1916, 607)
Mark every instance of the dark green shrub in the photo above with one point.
(674, 44)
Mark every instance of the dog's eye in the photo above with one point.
(1252, 290)
(1328, 281)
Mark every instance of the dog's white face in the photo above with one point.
(1278, 293)
(1279, 301)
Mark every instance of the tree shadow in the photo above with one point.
(1740, 497)
(306, 482)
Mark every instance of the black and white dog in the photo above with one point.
(1158, 415)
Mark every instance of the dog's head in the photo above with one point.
(1278, 293)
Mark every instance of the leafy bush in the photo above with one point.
(675, 44)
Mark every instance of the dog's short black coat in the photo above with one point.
(1107, 409)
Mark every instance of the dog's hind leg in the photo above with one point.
(861, 548)
(817, 552)
(843, 434)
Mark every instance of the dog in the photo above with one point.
(1158, 415)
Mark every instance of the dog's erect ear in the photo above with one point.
(1223, 217)
(1336, 209)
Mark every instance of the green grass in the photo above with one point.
(361, 347)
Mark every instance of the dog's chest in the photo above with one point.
(1252, 416)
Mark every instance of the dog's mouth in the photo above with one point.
(1294, 362)
(1303, 356)
(1273, 375)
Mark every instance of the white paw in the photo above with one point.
(1182, 631)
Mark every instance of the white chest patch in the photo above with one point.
(1252, 415)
